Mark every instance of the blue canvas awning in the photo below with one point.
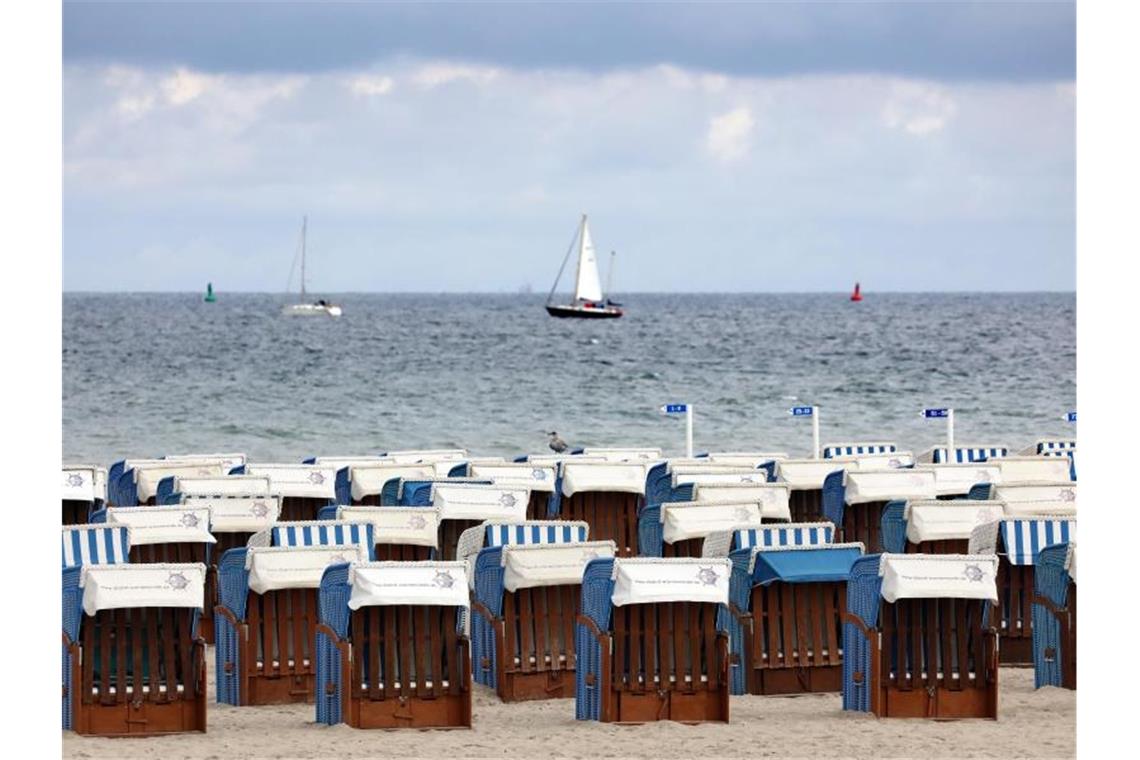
(806, 565)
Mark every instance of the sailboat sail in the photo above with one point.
(589, 285)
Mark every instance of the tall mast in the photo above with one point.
(304, 224)
(581, 249)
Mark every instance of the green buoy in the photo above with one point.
(209, 293)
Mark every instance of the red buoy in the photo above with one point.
(856, 295)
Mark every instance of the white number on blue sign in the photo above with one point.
(932, 413)
(675, 408)
(801, 411)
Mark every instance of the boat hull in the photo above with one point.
(312, 310)
(582, 312)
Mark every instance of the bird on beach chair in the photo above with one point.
(557, 444)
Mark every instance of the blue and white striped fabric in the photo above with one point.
(795, 534)
(969, 454)
(95, 545)
(1051, 446)
(1024, 538)
(1058, 453)
(851, 449)
(502, 535)
(322, 533)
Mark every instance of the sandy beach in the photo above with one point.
(1032, 724)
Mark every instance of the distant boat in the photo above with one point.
(856, 295)
(209, 293)
(589, 303)
(305, 309)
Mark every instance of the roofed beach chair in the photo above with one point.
(607, 496)
(376, 483)
(854, 500)
(624, 454)
(139, 480)
(174, 489)
(524, 608)
(804, 479)
(137, 665)
(834, 450)
(464, 505)
(958, 481)
(425, 456)
(745, 458)
(773, 498)
(1043, 446)
(1017, 541)
(419, 492)
(266, 620)
(392, 652)
(84, 491)
(1037, 498)
(917, 637)
(1017, 470)
(648, 645)
(935, 527)
(1055, 617)
(785, 612)
(659, 480)
(679, 529)
(302, 488)
(963, 454)
(537, 478)
(404, 534)
(505, 532)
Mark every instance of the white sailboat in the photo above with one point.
(589, 301)
(319, 308)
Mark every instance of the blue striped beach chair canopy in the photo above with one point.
(862, 486)
(84, 482)
(426, 456)
(683, 520)
(938, 576)
(412, 526)
(1035, 469)
(788, 534)
(316, 533)
(408, 583)
(369, 479)
(803, 564)
(529, 475)
(224, 485)
(175, 524)
(644, 580)
(1070, 453)
(773, 498)
(627, 454)
(535, 565)
(1022, 538)
(95, 545)
(964, 454)
(273, 568)
(238, 514)
(858, 448)
(950, 479)
(745, 458)
(109, 587)
(471, 501)
(306, 481)
(944, 520)
(809, 474)
(505, 533)
(1035, 498)
(1048, 445)
(607, 477)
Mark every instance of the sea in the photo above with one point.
(146, 375)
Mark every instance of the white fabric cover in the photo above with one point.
(939, 576)
(346, 461)
(479, 502)
(80, 483)
(369, 479)
(147, 477)
(178, 524)
(241, 514)
(808, 474)
(443, 467)
(773, 498)
(278, 567)
(1033, 469)
(227, 485)
(745, 458)
(306, 481)
(531, 565)
(736, 475)
(111, 587)
(557, 459)
(959, 478)
(227, 461)
(684, 520)
(883, 461)
(644, 581)
(939, 520)
(1071, 561)
(532, 476)
(415, 583)
(624, 478)
(624, 454)
(884, 485)
(414, 526)
(426, 456)
(1038, 498)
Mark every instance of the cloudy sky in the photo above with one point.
(443, 147)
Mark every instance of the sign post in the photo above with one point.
(687, 410)
(813, 412)
(948, 415)
(1071, 417)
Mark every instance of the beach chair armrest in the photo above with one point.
(869, 633)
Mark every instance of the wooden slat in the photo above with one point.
(389, 640)
(455, 672)
(407, 647)
(437, 631)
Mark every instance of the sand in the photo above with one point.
(1033, 723)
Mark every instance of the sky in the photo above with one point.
(775, 147)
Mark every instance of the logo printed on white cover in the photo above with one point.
(443, 579)
(973, 573)
(707, 576)
(177, 580)
(316, 478)
(75, 479)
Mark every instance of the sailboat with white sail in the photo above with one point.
(318, 308)
(589, 301)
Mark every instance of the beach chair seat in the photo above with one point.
(524, 608)
(854, 500)
(402, 534)
(84, 491)
(606, 496)
(137, 664)
(935, 527)
(267, 621)
(648, 645)
(679, 529)
(787, 604)
(539, 479)
(836, 450)
(302, 488)
(1055, 617)
(392, 652)
(917, 637)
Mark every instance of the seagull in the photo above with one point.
(557, 444)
